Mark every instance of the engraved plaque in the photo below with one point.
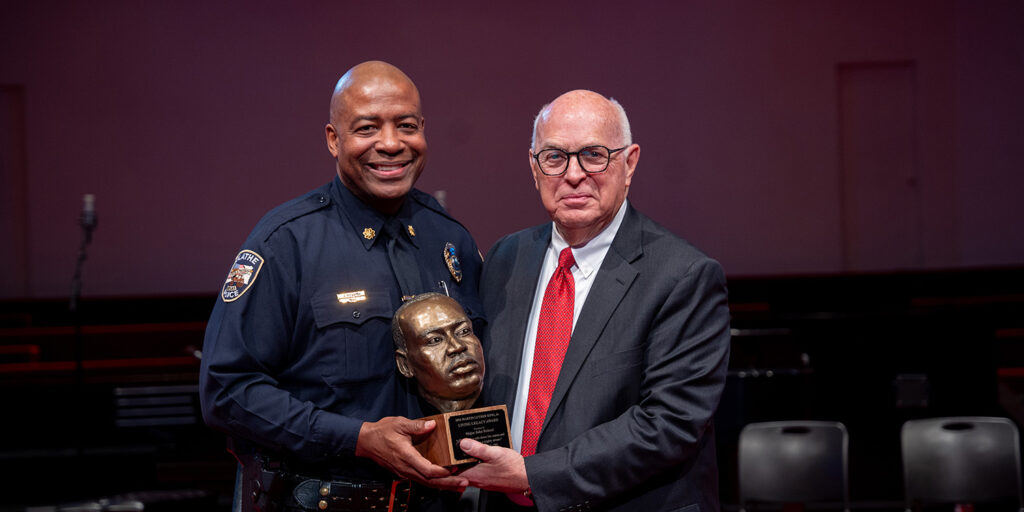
(488, 425)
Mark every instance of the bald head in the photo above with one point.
(584, 102)
(371, 76)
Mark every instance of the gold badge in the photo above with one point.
(412, 232)
(369, 233)
(351, 297)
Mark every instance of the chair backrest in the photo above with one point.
(963, 459)
(793, 462)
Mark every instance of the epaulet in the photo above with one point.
(305, 204)
(430, 203)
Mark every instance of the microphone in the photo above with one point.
(88, 217)
(88, 222)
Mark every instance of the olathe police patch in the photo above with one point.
(243, 273)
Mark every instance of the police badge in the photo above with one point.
(244, 271)
(452, 260)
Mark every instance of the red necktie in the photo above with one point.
(553, 332)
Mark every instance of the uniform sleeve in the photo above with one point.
(685, 363)
(247, 340)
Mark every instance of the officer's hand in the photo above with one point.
(388, 442)
(500, 469)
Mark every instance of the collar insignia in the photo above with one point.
(452, 260)
(369, 233)
(241, 276)
(412, 232)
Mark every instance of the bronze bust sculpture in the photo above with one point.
(435, 345)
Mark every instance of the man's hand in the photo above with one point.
(500, 469)
(388, 442)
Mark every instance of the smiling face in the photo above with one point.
(376, 134)
(441, 352)
(583, 204)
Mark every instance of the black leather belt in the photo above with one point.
(352, 496)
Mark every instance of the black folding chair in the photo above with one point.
(962, 461)
(794, 462)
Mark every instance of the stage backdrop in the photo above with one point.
(789, 137)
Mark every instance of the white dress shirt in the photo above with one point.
(588, 260)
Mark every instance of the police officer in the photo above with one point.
(298, 363)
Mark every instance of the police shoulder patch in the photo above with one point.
(243, 273)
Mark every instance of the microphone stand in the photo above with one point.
(87, 221)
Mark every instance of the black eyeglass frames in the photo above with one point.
(592, 159)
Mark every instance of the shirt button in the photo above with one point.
(356, 314)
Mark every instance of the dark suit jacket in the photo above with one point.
(630, 421)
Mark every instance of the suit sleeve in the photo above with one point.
(683, 375)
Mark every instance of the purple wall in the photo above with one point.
(188, 120)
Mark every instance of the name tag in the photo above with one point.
(350, 297)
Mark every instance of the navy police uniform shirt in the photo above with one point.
(298, 351)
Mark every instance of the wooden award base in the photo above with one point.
(489, 425)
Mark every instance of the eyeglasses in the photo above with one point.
(592, 159)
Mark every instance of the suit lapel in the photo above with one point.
(522, 284)
(611, 283)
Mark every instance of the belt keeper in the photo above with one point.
(325, 492)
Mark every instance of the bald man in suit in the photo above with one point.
(623, 419)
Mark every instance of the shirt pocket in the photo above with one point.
(354, 337)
